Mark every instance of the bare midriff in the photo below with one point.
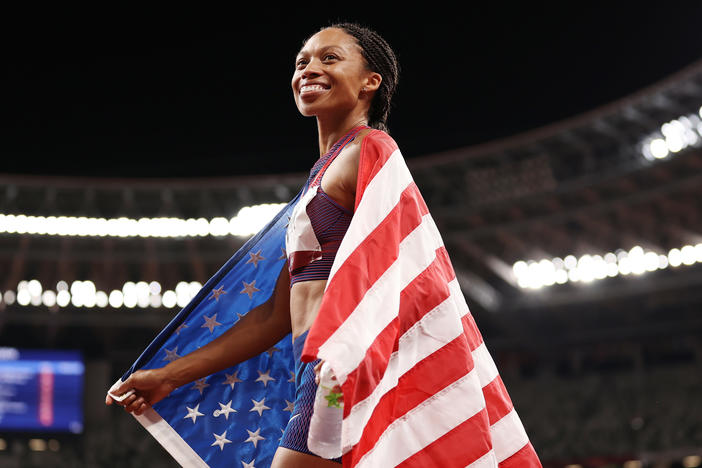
(305, 299)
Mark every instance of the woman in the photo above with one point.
(345, 75)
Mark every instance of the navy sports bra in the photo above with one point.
(318, 223)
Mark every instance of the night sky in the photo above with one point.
(207, 93)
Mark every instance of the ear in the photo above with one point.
(372, 82)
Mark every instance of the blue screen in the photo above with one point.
(41, 390)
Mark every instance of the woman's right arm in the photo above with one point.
(256, 332)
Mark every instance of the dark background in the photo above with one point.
(207, 93)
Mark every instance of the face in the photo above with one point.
(330, 73)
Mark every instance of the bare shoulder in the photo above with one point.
(340, 178)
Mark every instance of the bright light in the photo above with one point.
(9, 297)
(142, 294)
(673, 136)
(116, 299)
(169, 299)
(23, 297)
(155, 300)
(688, 255)
(658, 148)
(692, 461)
(248, 221)
(34, 288)
(101, 299)
(155, 287)
(674, 257)
(49, 298)
(530, 274)
(63, 298)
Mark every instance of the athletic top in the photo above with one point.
(318, 223)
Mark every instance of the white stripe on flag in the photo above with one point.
(432, 332)
(487, 371)
(170, 439)
(347, 346)
(411, 433)
(380, 197)
(486, 461)
(508, 436)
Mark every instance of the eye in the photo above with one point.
(300, 62)
(329, 57)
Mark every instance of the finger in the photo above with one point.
(139, 411)
(124, 386)
(108, 400)
(135, 404)
(129, 402)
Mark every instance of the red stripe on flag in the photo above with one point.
(363, 267)
(497, 400)
(423, 294)
(426, 378)
(526, 457)
(459, 447)
(470, 329)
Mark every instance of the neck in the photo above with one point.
(331, 130)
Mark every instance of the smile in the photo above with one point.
(311, 88)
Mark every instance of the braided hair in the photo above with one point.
(381, 59)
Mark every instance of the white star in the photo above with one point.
(221, 440)
(210, 322)
(178, 330)
(272, 350)
(249, 288)
(254, 437)
(259, 406)
(200, 385)
(264, 377)
(292, 377)
(171, 355)
(290, 406)
(193, 413)
(217, 292)
(255, 258)
(282, 433)
(224, 410)
(231, 379)
(283, 254)
(249, 464)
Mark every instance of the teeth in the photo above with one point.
(312, 88)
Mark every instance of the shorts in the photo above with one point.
(295, 435)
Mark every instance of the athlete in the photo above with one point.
(345, 76)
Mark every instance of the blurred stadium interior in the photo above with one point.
(578, 247)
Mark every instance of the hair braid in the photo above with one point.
(380, 59)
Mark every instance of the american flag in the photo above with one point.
(420, 388)
(235, 417)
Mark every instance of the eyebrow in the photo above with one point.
(324, 49)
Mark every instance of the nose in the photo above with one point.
(311, 70)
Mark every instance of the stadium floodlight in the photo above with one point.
(116, 299)
(247, 222)
(9, 297)
(169, 299)
(673, 137)
(23, 297)
(590, 267)
(48, 297)
(63, 298)
(34, 287)
(101, 299)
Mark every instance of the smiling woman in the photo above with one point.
(369, 289)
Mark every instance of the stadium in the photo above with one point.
(577, 245)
